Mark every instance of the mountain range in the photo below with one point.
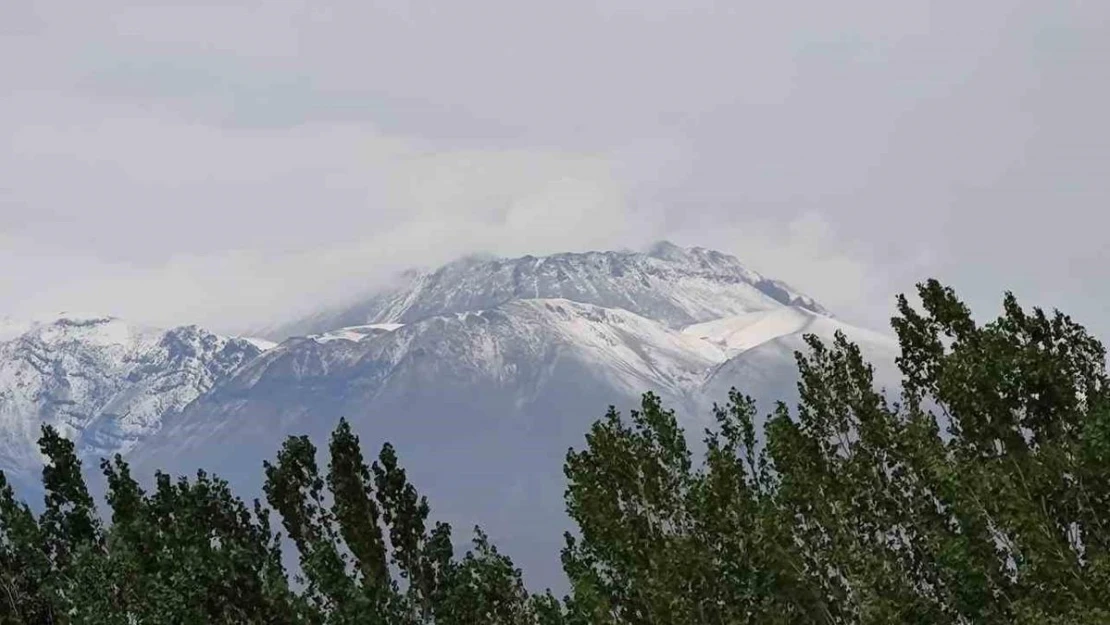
(481, 373)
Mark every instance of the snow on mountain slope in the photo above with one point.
(742, 332)
(676, 286)
(634, 350)
(761, 348)
(261, 344)
(505, 346)
(102, 382)
(355, 333)
(480, 405)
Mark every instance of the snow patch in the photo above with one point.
(388, 327)
(636, 352)
(741, 333)
(355, 333)
(261, 344)
(101, 381)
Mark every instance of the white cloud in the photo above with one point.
(170, 222)
(220, 161)
(806, 252)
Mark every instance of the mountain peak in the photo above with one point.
(666, 250)
(670, 284)
(467, 261)
(72, 318)
(12, 327)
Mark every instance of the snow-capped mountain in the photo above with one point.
(509, 355)
(104, 383)
(673, 285)
(481, 373)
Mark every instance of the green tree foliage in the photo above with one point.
(484, 588)
(368, 552)
(661, 542)
(980, 497)
(24, 564)
(190, 552)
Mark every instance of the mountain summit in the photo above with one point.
(671, 284)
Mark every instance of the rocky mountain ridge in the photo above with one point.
(105, 383)
(674, 285)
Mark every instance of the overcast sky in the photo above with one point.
(230, 163)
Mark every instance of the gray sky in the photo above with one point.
(233, 162)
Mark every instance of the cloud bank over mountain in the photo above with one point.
(207, 162)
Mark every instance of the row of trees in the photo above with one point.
(190, 552)
(981, 496)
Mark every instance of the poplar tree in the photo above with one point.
(978, 492)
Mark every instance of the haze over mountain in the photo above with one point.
(673, 285)
(481, 372)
